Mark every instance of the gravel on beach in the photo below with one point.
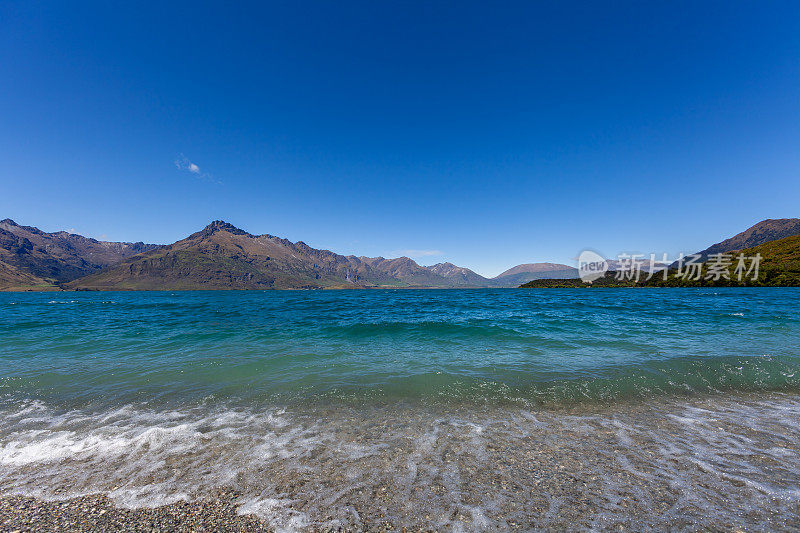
(97, 513)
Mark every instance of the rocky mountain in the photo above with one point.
(516, 276)
(13, 278)
(59, 256)
(222, 256)
(404, 270)
(459, 276)
(763, 232)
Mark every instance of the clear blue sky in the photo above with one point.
(488, 134)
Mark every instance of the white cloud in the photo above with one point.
(415, 253)
(183, 163)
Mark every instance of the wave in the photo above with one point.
(714, 463)
(530, 386)
(421, 329)
(341, 378)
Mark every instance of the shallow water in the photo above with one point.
(484, 409)
(687, 463)
(528, 346)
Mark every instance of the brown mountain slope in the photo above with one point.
(59, 256)
(11, 278)
(222, 256)
(765, 231)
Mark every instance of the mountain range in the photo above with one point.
(31, 257)
(220, 256)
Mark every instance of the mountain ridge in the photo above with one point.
(60, 256)
(269, 262)
(222, 256)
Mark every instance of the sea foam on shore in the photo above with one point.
(713, 462)
(484, 409)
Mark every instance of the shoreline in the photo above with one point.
(57, 289)
(447, 411)
(721, 462)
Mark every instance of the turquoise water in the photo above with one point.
(456, 345)
(455, 410)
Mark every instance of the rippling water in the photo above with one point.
(460, 409)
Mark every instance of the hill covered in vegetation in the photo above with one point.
(778, 266)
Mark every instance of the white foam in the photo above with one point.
(314, 469)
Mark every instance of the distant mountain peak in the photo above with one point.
(516, 276)
(533, 268)
(221, 225)
(445, 269)
(460, 276)
(9, 222)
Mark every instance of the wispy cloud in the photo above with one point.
(183, 163)
(415, 253)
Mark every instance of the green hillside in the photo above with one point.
(779, 267)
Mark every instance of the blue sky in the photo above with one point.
(487, 134)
